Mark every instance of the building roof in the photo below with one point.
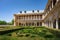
(40, 12)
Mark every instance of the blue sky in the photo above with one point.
(9, 7)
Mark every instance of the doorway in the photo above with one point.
(37, 23)
(54, 24)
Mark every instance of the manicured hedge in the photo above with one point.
(42, 33)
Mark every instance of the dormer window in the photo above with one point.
(33, 11)
(37, 10)
(20, 11)
(24, 11)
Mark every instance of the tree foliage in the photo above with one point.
(6, 23)
(12, 21)
(3, 22)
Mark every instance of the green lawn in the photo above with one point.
(26, 38)
(32, 33)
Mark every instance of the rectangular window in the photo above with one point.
(40, 23)
(40, 16)
(54, 2)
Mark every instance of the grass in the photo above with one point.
(32, 33)
(26, 38)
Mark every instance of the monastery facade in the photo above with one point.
(29, 18)
(49, 18)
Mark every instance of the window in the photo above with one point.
(40, 23)
(54, 24)
(54, 2)
(37, 10)
(40, 16)
(32, 24)
(29, 24)
(37, 23)
(24, 11)
(51, 4)
(20, 11)
(37, 16)
(33, 11)
(19, 24)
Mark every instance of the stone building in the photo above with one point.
(28, 18)
(49, 18)
(52, 14)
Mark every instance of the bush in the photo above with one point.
(27, 35)
(20, 35)
(9, 34)
(41, 34)
(33, 36)
(49, 35)
(55, 32)
(8, 38)
(44, 30)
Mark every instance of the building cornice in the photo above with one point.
(28, 14)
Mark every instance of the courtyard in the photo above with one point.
(30, 33)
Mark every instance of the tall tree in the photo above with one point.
(13, 21)
(3, 22)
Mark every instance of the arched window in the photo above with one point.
(54, 2)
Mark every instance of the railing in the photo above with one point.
(30, 19)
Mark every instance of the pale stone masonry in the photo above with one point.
(52, 14)
(49, 18)
(29, 19)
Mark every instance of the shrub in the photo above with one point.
(44, 30)
(20, 35)
(41, 34)
(33, 35)
(9, 34)
(55, 32)
(27, 35)
(49, 35)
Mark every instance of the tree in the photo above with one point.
(9, 23)
(3, 22)
(13, 21)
